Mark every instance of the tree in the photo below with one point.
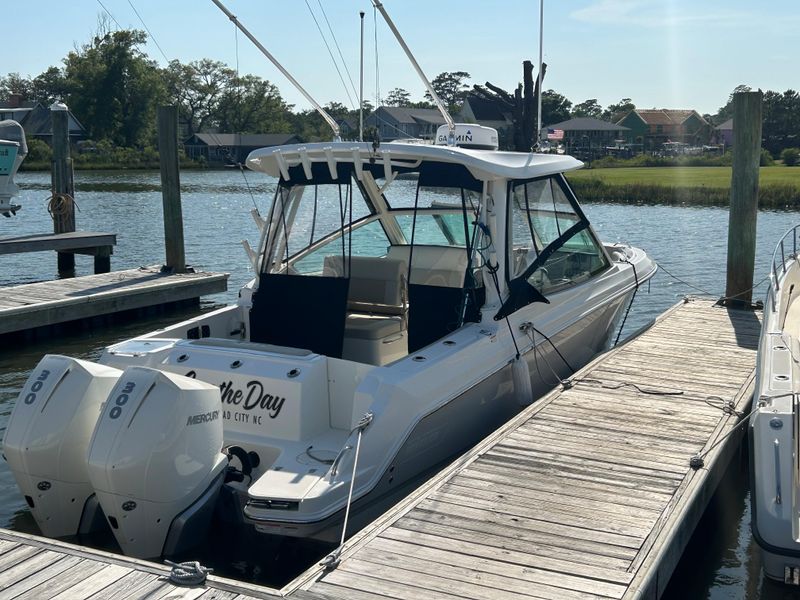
(790, 156)
(49, 86)
(588, 108)
(555, 107)
(521, 105)
(616, 112)
(398, 97)
(781, 113)
(114, 89)
(14, 83)
(252, 105)
(197, 89)
(451, 88)
(726, 112)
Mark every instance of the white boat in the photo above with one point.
(405, 300)
(775, 422)
(13, 150)
(409, 298)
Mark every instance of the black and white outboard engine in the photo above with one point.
(155, 461)
(47, 439)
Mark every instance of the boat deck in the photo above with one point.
(586, 494)
(34, 305)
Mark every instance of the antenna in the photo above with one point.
(539, 77)
(439, 104)
(361, 85)
(286, 73)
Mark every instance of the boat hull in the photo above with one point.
(774, 425)
(462, 422)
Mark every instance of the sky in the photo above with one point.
(686, 54)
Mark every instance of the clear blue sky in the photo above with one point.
(660, 53)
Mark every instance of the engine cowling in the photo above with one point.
(156, 451)
(48, 435)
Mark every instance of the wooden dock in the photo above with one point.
(35, 568)
(588, 493)
(99, 245)
(35, 305)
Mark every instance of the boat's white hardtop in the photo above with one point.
(483, 164)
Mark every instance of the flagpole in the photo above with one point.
(539, 77)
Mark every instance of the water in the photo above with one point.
(721, 562)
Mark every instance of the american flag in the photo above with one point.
(555, 134)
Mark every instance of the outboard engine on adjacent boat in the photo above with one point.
(155, 461)
(48, 435)
(13, 150)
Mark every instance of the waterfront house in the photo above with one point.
(232, 148)
(723, 133)
(589, 134)
(399, 122)
(36, 119)
(485, 112)
(654, 127)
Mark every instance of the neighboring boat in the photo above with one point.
(13, 150)
(775, 422)
(393, 299)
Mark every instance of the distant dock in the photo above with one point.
(33, 306)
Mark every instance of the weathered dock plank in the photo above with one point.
(588, 493)
(34, 305)
(38, 568)
(80, 242)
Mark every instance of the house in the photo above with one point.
(587, 133)
(723, 134)
(232, 148)
(485, 112)
(656, 126)
(398, 122)
(37, 120)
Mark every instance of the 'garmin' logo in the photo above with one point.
(203, 418)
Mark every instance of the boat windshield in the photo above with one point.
(551, 244)
(348, 259)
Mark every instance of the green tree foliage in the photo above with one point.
(49, 86)
(726, 112)
(588, 108)
(114, 89)
(451, 87)
(781, 127)
(14, 83)
(616, 112)
(198, 89)
(398, 97)
(252, 105)
(555, 107)
(790, 156)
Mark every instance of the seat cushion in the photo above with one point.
(372, 327)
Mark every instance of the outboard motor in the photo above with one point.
(48, 435)
(13, 150)
(155, 461)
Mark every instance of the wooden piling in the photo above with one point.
(744, 198)
(171, 188)
(62, 206)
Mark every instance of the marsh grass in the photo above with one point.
(779, 187)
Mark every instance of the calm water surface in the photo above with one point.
(721, 562)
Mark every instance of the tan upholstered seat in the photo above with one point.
(377, 307)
